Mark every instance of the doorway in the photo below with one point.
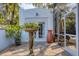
(41, 31)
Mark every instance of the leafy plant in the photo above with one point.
(70, 26)
(11, 13)
(31, 25)
(2, 20)
(12, 31)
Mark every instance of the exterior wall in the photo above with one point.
(29, 15)
(25, 35)
(4, 43)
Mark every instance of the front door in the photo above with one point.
(41, 31)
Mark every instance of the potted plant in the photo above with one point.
(31, 28)
(17, 38)
(13, 32)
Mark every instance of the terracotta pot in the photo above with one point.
(50, 37)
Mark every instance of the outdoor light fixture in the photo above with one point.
(37, 14)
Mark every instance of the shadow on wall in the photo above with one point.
(4, 42)
(24, 36)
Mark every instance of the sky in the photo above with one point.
(26, 5)
(30, 6)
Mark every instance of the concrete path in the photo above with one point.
(40, 49)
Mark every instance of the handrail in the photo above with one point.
(66, 34)
(70, 35)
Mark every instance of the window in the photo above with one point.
(41, 30)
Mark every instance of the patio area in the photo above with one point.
(40, 49)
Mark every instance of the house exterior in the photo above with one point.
(43, 17)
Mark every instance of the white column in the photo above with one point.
(64, 30)
(50, 24)
(58, 29)
(77, 29)
(37, 35)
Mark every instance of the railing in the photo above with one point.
(70, 35)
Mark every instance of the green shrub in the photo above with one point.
(70, 26)
(2, 20)
(13, 31)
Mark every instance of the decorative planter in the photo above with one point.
(31, 38)
(30, 30)
(50, 37)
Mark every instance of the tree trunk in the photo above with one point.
(12, 16)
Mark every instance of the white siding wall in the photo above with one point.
(4, 43)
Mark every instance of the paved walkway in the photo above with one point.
(40, 49)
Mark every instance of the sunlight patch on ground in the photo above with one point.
(51, 50)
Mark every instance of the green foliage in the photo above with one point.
(70, 23)
(11, 11)
(11, 16)
(0, 14)
(13, 31)
(70, 26)
(71, 15)
(2, 20)
(45, 5)
(13, 27)
(31, 25)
